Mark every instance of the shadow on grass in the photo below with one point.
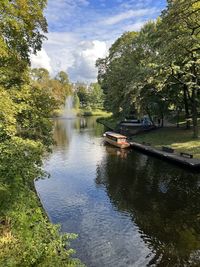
(177, 138)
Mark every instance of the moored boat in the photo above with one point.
(116, 139)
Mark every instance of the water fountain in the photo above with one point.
(68, 111)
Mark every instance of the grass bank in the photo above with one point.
(82, 112)
(27, 238)
(93, 112)
(177, 138)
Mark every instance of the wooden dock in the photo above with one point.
(173, 157)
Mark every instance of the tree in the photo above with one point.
(164, 56)
(96, 96)
(59, 88)
(115, 73)
(40, 74)
(7, 116)
(181, 30)
(22, 25)
(62, 77)
(83, 96)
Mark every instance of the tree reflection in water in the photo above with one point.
(163, 200)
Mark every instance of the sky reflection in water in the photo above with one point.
(128, 209)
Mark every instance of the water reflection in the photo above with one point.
(62, 134)
(163, 201)
(128, 209)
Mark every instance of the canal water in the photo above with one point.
(127, 208)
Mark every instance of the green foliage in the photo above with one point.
(59, 88)
(35, 106)
(21, 23)
(83, 96)
(96, 96)
(7, 116)
(62, 77)
(157, 69)
(26, 236)
(40, 74)
(90, 97)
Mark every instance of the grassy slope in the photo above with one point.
(83, 112)
(178, 138)
(27, 238)
(96, 112)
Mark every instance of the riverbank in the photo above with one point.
(179, 139)
(27, 238)
(83, 112)
(95, 112)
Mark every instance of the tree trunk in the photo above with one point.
(150, 117)
(195, 114)
(195, 103)
(178, 117)
(162, 120)
(187, 113)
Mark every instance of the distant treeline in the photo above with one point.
(156, 70)
(59, 87)
(88, 96)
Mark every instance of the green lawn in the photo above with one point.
(178, 138)
(83, 112)
(182, 120)
(93, 112)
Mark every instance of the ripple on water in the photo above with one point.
(117, 202)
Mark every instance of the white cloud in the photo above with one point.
(127, 15)
(69, 53)
(83, 68)
(60, 47)
(80, 32)
(41, 60)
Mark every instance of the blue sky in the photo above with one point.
(80, 31)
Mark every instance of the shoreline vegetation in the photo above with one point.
(95, 112)
(28, 238)
(28, 98)
(178, 138)
(83, 112)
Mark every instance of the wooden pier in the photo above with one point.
(173, 157)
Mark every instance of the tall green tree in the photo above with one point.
(181, 32)
(163, 58)
(83, 95)
(96, 96)
(115, 73)
(62, 77)
(22, 25)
